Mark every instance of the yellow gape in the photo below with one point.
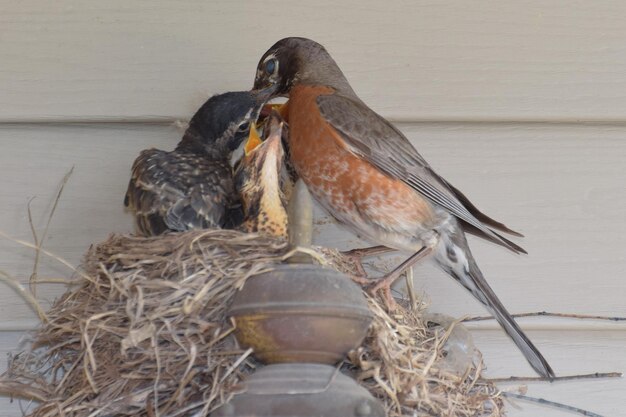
(253, 141)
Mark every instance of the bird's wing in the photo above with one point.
(174, 191)
(374, 139)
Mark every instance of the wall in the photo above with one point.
(520, 104)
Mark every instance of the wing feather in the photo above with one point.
(179, 191)
(374, 139)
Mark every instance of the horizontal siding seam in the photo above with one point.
(169, 120)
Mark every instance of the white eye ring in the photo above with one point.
(270, 65)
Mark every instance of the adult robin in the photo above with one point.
(192, 186)
(260, 180)
(368, 176)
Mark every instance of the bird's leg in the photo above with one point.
(369, 251)
(385, 282)
(357, 255)
(360, 277)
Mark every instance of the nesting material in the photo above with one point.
(146, 334)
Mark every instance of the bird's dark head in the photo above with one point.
(223, 122)
(293, 61)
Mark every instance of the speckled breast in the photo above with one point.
(351, 189)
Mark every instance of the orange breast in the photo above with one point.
(352, 189)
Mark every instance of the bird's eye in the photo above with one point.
(244, 127)
(270, 66)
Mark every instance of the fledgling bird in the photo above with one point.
(192, 186)
(288, 175)
(368, 176)
(260, 181)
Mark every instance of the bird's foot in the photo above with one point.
(374, 286)
(355, 257)
(361, 279)
(382, 286)
(360, 275)
(385, 282)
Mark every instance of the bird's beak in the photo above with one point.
(273, 141)
(265, 93)
(254, 140)
(272, 145)
(267, 109)
(275, 127)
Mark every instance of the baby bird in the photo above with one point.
(192, 186)
(260, 181)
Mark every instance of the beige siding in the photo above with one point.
(570, 353)
(520, 104)
(526, 59)
(563, 186)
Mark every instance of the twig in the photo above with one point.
(39, 242)
(33, 288)
(14, 283)
(47, 253)
(548, 314)
(596, 375)
(54, 280)
(410, 289)
(551, 404)
(23, 391)
(236, 364)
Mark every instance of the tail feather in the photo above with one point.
(495, 306)
(494, 224)
(457, 260)
(496, 238)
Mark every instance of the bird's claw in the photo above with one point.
(355, 257)
(383, 287)
(361, 279)
(375, 287)
(360, 276)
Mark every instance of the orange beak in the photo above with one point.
(253, 141)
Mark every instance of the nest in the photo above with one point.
(145, 333)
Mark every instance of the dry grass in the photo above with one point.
(145, 334)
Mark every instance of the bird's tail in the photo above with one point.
(454, 256)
